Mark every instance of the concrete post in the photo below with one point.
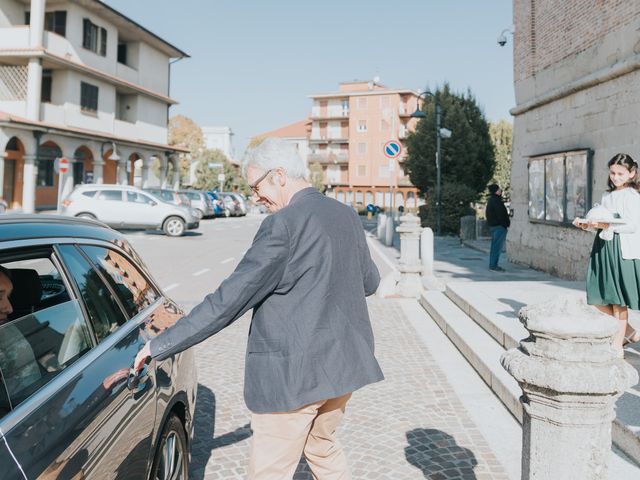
(382, 221)
(98, 171)
(176, 171)
(123, 178)
(410, 284)
(29, 187)
(570, 379)
(163, 172)
(34, 69)
(427, 248)
(389, 229)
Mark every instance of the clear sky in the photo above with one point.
(254, 62)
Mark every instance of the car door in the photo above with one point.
(85, 420)
(142, 210)
(110, 206)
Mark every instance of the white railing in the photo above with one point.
(329, 157)
(127, 73)
(54, 114)
(60, 46)
(14, 38)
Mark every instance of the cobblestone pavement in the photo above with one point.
(410, 426)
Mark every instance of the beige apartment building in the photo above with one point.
(577, 86)
(349, 129)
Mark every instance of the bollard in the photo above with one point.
(426, 251)
(382, 220)
(388, 232)
(570, 379)
(410, 284)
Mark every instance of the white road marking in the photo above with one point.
(231, 259)
(200, 272)
(171, 287)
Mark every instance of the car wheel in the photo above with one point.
(86, 215)
(171, 458)
(174, 226)
(200, 213)
(227, 212)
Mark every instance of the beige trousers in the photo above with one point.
(279, 439)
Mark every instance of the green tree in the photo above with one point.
(316, 176)
(184, 132)
(502, 140)
(213, 162)
(467, 161)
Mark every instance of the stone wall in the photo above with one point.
(577, 85)
(604, 118)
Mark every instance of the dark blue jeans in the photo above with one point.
(498, 236)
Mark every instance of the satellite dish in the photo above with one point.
(376, 79)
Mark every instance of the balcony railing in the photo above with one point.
(330, 113)
(327, 139)
(14, 38)
(329, 158)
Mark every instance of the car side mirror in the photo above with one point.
(153, 204)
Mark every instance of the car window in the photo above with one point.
(110, 195)
(193, 195)
(136, 197)
(168, 196)
(44, 332)
(104, 312)
(128, 282)
(89, 193)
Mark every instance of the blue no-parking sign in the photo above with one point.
(392, 149)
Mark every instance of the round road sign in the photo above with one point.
(392, 149)
(63, 165)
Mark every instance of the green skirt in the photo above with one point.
(612, 280)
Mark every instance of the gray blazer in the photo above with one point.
(306, 277)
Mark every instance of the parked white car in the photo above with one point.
(123, 206)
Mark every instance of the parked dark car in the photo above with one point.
(82, 304)
(219, 207)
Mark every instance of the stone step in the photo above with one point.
(480, 350)
(505, 331)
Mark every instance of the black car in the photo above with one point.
(81, 305)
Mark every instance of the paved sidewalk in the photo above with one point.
(412, 425)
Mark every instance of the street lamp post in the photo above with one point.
(440, 132)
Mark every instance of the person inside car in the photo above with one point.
(18, 366)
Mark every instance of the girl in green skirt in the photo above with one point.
(613, 275)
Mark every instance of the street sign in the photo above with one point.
(221, 177)
(63, 165)
(392, 149)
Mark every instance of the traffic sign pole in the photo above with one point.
(63, 168)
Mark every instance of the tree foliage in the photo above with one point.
(467, 158)
(211, 163)
(184, 132)
(502, 140)
(316, 177)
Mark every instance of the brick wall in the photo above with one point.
(549, 31)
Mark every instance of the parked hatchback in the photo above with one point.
(200, 201)
(170, 196)
(122, 206)
(80, 305)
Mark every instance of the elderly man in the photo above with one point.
(310, 343)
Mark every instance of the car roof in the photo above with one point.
(103, 186)
(34, 226)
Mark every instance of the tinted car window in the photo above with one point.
(193, 195)
(104, 312)
(130, 285)
(45, 334)
(110, 195)
(90, 193)
(167, 196)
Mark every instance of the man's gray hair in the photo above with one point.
(276, 153)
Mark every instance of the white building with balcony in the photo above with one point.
(80, 80)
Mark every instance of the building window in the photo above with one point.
(47, 156)
(94, 38)
(45, 95)
(560, 186)
(88, 97)
(55, 22)
(385, 101)
(362, 125)
(122, 53)
(362, 148)
(362, 170)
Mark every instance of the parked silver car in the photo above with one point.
(200, 201)
(123, 206)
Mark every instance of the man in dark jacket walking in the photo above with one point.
(498, 222)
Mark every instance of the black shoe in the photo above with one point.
(497, 269)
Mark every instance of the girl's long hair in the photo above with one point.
(627, 162)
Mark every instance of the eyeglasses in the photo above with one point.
(255, 185)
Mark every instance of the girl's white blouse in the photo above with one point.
(626, 203)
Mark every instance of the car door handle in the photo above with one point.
(136, 379)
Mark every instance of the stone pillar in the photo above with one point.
(123, 178)
(382, 221)
(3, 154)
(427, 248)
(144, 173)
(34, 69)
(98, 171)
(29, 186)
(570, 379)
(410, 284)
(175, 159)
(388, 233)
(163, 172)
